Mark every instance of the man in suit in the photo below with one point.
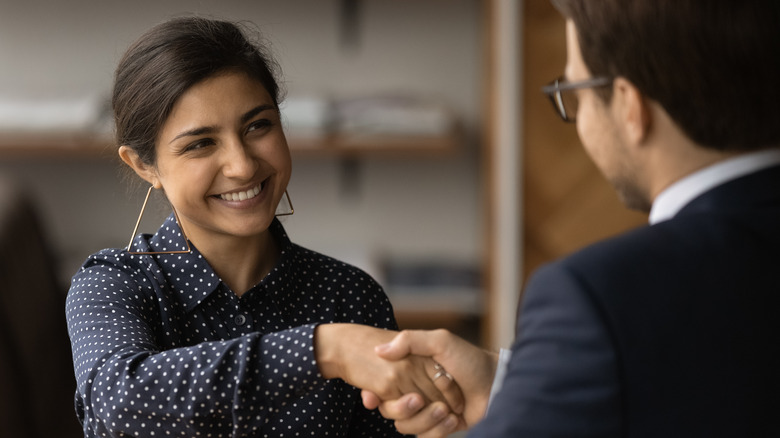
(672, 329)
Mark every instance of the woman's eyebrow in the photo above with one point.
(194, 132)
(255, 111)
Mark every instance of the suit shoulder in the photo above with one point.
(637, 243)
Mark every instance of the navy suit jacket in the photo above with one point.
(670, 330)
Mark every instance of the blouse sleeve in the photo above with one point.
(127, 386)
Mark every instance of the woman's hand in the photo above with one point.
(472, 369)
(346, 351)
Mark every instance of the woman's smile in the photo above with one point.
(245, 198)
(242, 195)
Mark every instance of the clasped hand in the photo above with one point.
(471, 368)
(347, 351)
(431, 383)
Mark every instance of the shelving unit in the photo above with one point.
(86, 145)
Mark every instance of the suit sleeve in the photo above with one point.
(562, 379)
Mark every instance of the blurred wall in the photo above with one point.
(361, 211)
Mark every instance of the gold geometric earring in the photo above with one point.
(289, 202)
(138, 222)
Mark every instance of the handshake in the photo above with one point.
(432, 383)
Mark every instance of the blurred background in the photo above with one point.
(423, 151)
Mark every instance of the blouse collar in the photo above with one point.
(189, 274)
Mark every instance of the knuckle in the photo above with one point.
(403, 335)
(394, 374)
(384, 390)
(441, 333)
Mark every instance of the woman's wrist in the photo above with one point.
(326, 349)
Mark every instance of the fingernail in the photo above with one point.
(438, 413)
(414, 404)
(381, 348)
(451, 422)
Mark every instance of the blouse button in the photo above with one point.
(240, 319)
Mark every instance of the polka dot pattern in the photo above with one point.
(162, 347)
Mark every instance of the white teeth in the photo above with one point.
(241, 196)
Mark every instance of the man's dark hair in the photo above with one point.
(713, 65)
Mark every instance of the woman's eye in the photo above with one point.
(258, 124)
(199, 144)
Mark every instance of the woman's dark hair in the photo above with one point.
(714, 65)
(169, 59)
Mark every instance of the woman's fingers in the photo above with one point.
(413, 417)
(403, 408)
(370, 400)
(433, 421)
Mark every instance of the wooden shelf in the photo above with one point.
(55, 145)
(86, 145)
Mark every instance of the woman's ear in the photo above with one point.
(633, 110)
(145, 171)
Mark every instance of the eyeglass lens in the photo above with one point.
(568, 104)
(565, 102)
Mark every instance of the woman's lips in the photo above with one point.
(243, 195)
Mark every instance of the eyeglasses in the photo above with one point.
(565, 102)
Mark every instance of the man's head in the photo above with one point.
(666, 87)
(712, 65)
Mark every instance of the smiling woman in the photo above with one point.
(224, 164)
(219, 325)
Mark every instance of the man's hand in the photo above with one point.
(347, 351)
(471, 368)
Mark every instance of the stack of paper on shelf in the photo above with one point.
(34, 120)
(352, 120)
(307, 117)
(393, 115)
(434, 286)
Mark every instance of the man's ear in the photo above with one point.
(633, 109)
(145, 171)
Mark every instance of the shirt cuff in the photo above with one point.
(504, 356)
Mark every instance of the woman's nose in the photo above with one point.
(239, 161)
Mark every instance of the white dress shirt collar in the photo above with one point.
(683, 191)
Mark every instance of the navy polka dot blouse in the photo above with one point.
(162, 347)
